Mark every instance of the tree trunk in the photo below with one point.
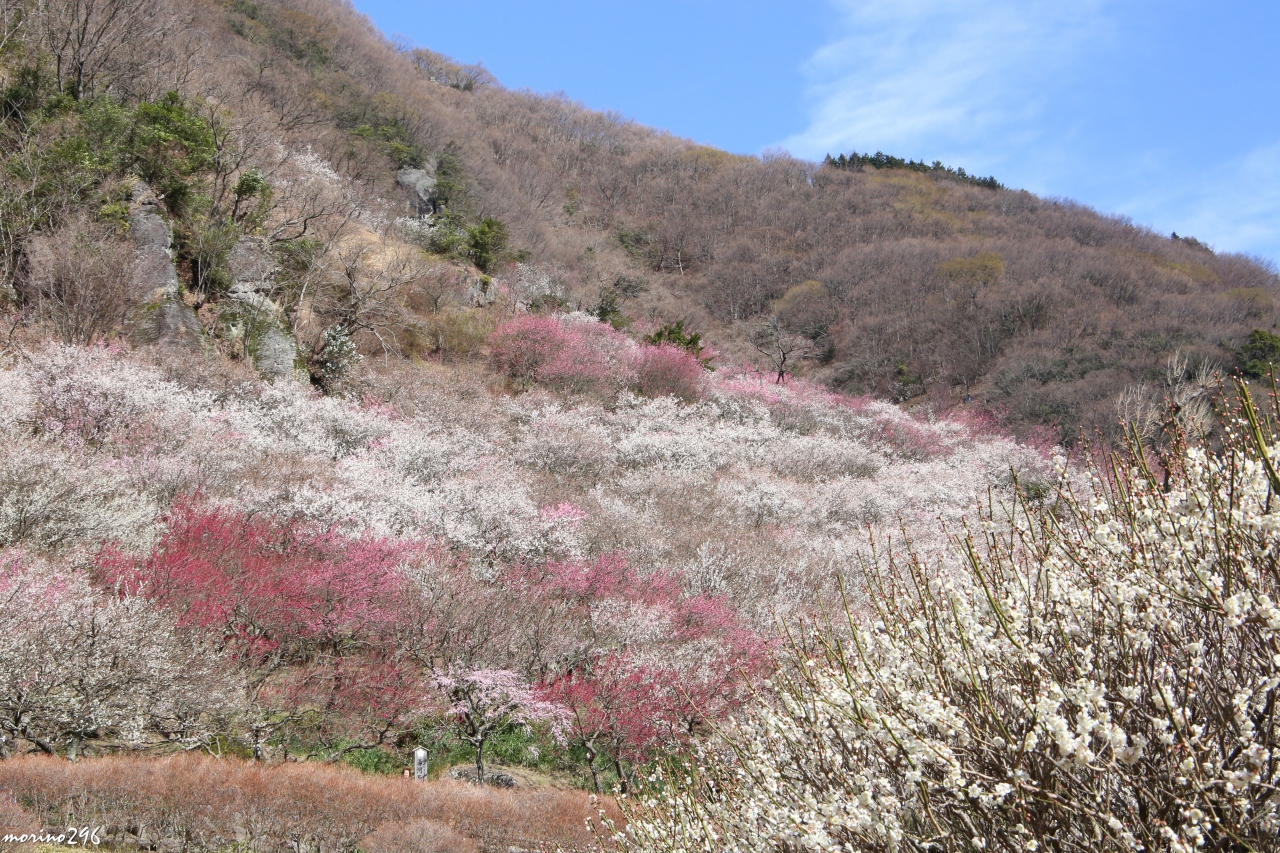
(622, 777)
(591, 765)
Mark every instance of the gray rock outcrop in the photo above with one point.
(165, 318)
(171, 322)
(273, 347)
(253, 275)
(153, 245)
(276, 354)
(421, 185)
(252, 267)
(482, 293)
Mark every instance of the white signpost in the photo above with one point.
(420, 756)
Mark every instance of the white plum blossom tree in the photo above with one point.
(1100, 673)
(77, 665)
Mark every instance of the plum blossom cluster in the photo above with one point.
(569, 352)
(284, 635)
(78, 664)
(757, 492)
(577, 354)
(486, 701)
(1105, 677)
(622, 557)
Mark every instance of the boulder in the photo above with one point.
(153, 269)
(421, 184)
(154, 276)
(258, 302)
(252, 268)
(169, 321)
(496, 780)
(253, 275)
(165, 319)
(276, 354)
(482, 293)
(148, 228)
(150, 232)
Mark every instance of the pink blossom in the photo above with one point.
(563, 513)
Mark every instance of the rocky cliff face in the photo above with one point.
(421, 184)
(165, 317)
(269, 341)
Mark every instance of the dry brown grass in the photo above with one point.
(417, 836)
(203, 803)
(541, 818)
(14, 820)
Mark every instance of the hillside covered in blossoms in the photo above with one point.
(361, 417)
(223, 563)
(743, 505)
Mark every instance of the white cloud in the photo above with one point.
(1233, 206)
(941, 78)
(1022, 89)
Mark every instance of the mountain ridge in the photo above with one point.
(889, 277)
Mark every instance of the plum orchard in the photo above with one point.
(1102, 676)
(328, 558)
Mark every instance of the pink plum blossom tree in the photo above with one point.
(484, 702)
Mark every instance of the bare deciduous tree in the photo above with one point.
(779, 346)
(79, 280)
(438, 287)
(83, 36)
(1184, 405)
(368, 287)
(13, 14)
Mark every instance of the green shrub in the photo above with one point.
(1260, 354)
(376, 761)
(487, 243)
(168, 146)
(676, 335)
(451, 187)
(635, 243)
(609, 309)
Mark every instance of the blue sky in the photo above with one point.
(1167, 112)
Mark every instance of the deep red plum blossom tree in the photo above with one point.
(650, 663)
(311, 616)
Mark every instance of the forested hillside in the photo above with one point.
(360, 416)
(294, 119)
